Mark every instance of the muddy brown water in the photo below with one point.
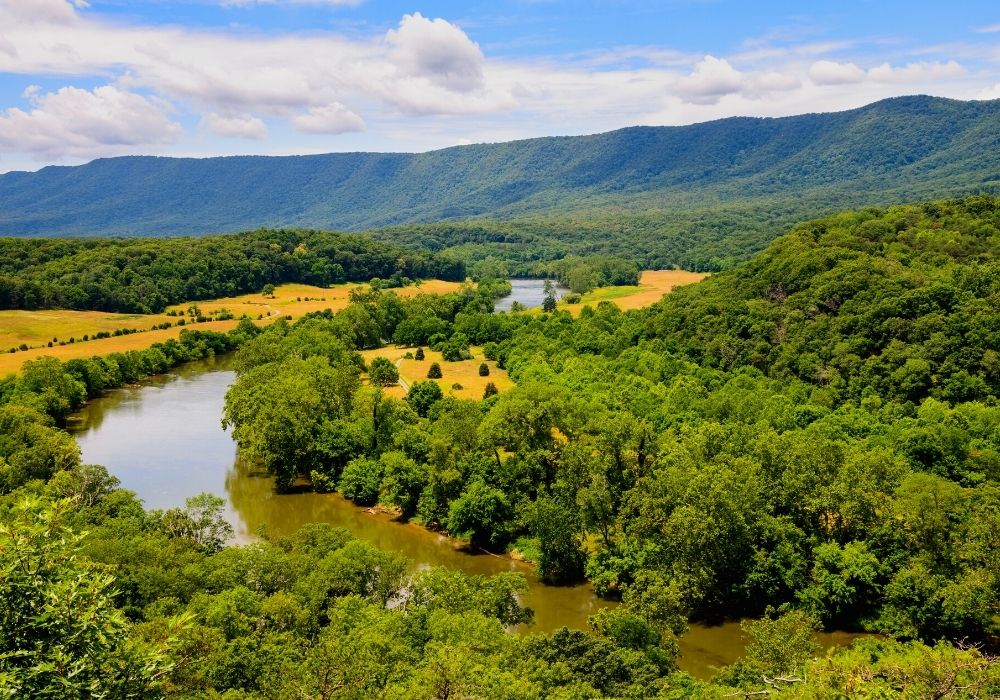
(164, 440)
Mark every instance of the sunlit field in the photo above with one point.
(653, 284)
(464, 372)
(36, 328)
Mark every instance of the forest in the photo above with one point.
(808, 440)
(145, 276)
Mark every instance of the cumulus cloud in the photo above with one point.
(438, 51)
(711, 79)
(833, 73)
(77, 122)
(990, 93)
(329, 119)
(244, 126)
(321, 82)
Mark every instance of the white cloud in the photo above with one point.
(84, 123)
(989, 29)
(913, 72)
(373, 91)
(711, 79)
(244, 126)
(833, 73)
(45, 10)
(438, 51)
(328, 119)
(990, 93)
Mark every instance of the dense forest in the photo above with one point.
(145, 276)
(811, 439)
(692, 196)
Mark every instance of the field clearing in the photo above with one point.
(12, 361)
(464, 372)
(298, 299)
(653, 285)
(36, 328)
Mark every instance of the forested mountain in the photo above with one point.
(737, 180)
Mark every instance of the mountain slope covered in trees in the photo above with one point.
(705, 182)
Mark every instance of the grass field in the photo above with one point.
(36, 328)
(653, 284)
(297, 299)
(465, 372)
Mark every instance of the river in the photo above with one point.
(529, 293)
(164, 440)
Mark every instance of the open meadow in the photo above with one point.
(464, 372)
(37, 328)
(653, 284)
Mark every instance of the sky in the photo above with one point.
(87, 79)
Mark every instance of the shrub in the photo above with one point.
(484, 370)
(435, 371)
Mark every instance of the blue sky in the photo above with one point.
(80, 80)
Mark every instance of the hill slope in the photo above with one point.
(903, 148)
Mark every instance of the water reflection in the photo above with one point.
(529, 293)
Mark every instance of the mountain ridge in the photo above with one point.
(892, 150)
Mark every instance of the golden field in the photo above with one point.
(37, 328)
(653, 285)
(465, 372)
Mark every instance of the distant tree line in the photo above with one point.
(145, 276)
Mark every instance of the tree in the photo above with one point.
(61, 635)
(549, 302)
(490, 390)
(201, 520)
(484, 370)
(268, 290)
(382, 372)
(419, 355)
(480, 515)
(423, 395)
(434, 372)
(557, 529)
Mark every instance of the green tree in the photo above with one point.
(268, 290)
(484, 369)
(61, 635)
(549, 300)
(480, 515)
(382, 372)
(423, 395)
(434, 372)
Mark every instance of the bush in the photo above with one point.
(419, 355)
(490, 390)
(484, 370)
(435, 371)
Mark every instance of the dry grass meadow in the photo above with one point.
(36, 328)
(465, 372)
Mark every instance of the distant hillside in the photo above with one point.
(744, 170)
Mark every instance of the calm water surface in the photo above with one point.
(530, 293)
(164, 440)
